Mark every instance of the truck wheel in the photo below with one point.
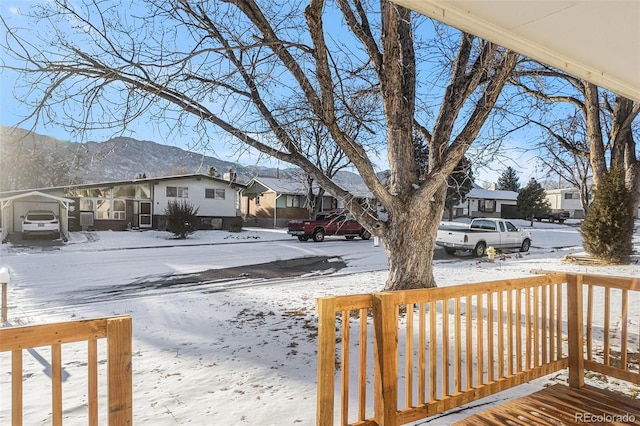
(450, 250)
(479, 250)
(526, 244)
(551, 220)
(318, 235)
(365, 235)
(303, 238)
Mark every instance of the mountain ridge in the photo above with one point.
(29, 160)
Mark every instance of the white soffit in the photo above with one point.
(596, 40)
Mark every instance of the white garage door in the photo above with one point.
(21, 207)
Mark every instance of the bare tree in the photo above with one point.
(29, 161)
(565, 152)
(224, 65)
(314, 141)
(605, 123)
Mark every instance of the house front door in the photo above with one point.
(145, 214)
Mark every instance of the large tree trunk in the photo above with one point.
(410, 244)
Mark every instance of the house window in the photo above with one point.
(258, 199)
(119, 210)
(293, 201)
(488, 206)
(103, 209)
(569, 196)
(86, 204)
(178, 191)
(216, 194)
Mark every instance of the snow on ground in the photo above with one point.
(240, 352)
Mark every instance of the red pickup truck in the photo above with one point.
(332, 223)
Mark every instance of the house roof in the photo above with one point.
(279, 186)
(126, 182)
(6, 201)
(298, 187)
(594, 40)
(492, 195)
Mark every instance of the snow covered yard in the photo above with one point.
(239, 353)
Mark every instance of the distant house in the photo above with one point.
(140, 203)
(566, 200)
(272, 202)
(488, 203)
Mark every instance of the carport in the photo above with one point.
(17, 205)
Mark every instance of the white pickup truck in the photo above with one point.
(482, 233)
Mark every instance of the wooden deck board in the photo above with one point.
(560, 405)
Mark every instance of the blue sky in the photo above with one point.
(12, 112)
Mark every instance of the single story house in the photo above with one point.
(140, 203)
(488, 203)
(272, 202)
(14, 207)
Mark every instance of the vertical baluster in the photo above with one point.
(362, 373)
(553, 318)
(56, 384)
(510, 326)
(544, 323)
(457, 347)
(518, 326)
(624, 329)
(501, 349)
(589, 334)
(421, 352)
(445, 347)
(433, 346)
(607, 316)
(490, 329)
(16, 387)
(408, 361)
(559, 322)
(469, 339)
(536, 326)
(344, 369)
(527, 324)
(92, 360)
(479, 320)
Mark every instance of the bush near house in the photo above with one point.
(181, 218)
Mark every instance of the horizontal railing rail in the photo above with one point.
(117, 333)
(407, 355)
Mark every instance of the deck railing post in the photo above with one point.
(119, 371)
(4, 279)
(326, 361)
(575, 326)
(385, 322)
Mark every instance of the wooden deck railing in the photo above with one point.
(408, 355)
(117, 333)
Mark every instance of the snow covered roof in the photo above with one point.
(298, 187)
(279, 186)
(492, 195)
(9, 200)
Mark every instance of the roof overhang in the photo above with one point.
(598, 41)
(7, 201)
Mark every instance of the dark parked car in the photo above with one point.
(552, 217)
